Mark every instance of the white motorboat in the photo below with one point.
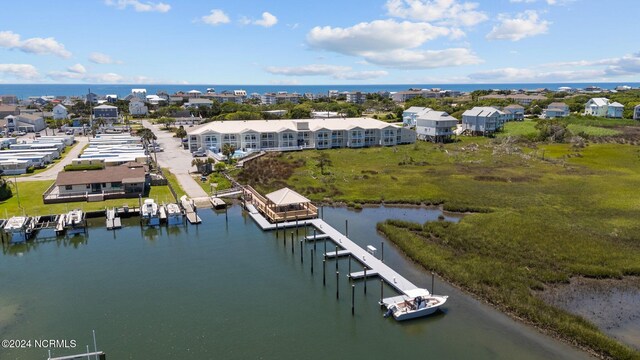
(174, 215)
(74, 222)
(416, 303)
(149, 211)
(19, 229)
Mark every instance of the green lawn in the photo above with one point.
(592, 130)
(577, 125)
(174, 182)
(29, 195)
(214, 178)
(535, 221)
(519, 128)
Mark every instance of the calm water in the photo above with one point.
(23, 91)
(227, 290)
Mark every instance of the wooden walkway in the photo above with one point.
(374, 266)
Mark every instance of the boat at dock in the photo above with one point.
(414, 304)
(150, 212)
(113, 220)
(19, 229)
(75, 222)
(174, 214)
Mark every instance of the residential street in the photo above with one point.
(177, 160)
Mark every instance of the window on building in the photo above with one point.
(68, 187)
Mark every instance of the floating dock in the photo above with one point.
(113, 220)
(189, 211)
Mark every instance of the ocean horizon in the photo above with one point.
(23, 91)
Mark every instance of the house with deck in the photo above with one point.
(516, 111)
(603, 107)
(114, 182)
(280, 206)
(60, 112)
(615, 110)
(436, 126)
(636, 112)
(482, 120)
(555, 110)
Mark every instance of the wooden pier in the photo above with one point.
(324, 231)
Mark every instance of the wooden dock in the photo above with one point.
(189, 211)
(374, 266)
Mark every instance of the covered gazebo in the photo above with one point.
(281, 205)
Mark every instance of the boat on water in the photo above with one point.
(150, 213)
(414, 304)
(174, 214)
(74, 222)
(19, 229)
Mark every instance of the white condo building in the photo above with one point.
(282, 135)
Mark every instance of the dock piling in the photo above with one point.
(325, 249)
(292, 246)
(312, 261)
(353, 301)
(336, 257)
(338, 285)
(276, 230)
(349, 274)
(432, 281)
(301, 253)
(314, 238)
(324, 272)
(382, 251)
(346, 228)
(365, 280)
(381, 291)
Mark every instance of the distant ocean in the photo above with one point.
(23, 91)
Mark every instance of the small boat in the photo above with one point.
(174, 215)
(416, 303)
(74, 222)
(150, 212)
(19, 229)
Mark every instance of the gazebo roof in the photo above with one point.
(286, 196)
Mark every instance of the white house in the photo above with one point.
(139, 93)
(436, 126)
(409, 116)
(636, 112)
(60, 112)
(197, 102)
(137, 107)
(555, 110)
(597, 107)
(483, 120)
(615, 110)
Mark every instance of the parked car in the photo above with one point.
(199, 153)
(38, 134)
(21, 133)
(155, 149)
(69, 132)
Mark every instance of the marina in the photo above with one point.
(208, 314)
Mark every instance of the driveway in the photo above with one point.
(52, 172)
(176, 159)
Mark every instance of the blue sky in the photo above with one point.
(319, 42)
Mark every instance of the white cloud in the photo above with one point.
(334, 71)
(109, 78)
(524, 25)
(20, 71)
(267, 20)
(375, 36)
(361, 75)
(424, 59)
(100, 58)
(582, 70)
(140, 6)
(284, 82)
(216, 17)
(443, 12)
(307, 70)
(77, 68)
(526, 1)
(41, 46)
(392, 44)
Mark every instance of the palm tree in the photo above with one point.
(228, 150)
(147, 137)
(197, 162)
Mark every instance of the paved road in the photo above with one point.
(176, 159)
(52, 172)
